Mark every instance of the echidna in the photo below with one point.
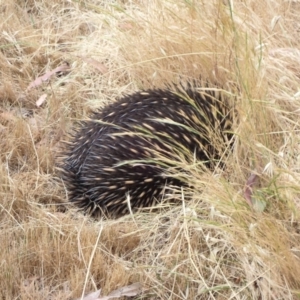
(121, 156)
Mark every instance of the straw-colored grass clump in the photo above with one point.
(213, 245)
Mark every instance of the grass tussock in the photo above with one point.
(211, 244)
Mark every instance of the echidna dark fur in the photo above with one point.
(118, 154)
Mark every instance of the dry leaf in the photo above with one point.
(7, 116)
(257, 203)
(32, 284)
(96, 64)
(248, 188)
(291, 53)
(91, 296)
(41, 100)
(129, 291)
(34, 127)
(125, 26)
(63, 68)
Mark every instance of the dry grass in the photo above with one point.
(212, 247)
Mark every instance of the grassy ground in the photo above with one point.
(213, 247)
